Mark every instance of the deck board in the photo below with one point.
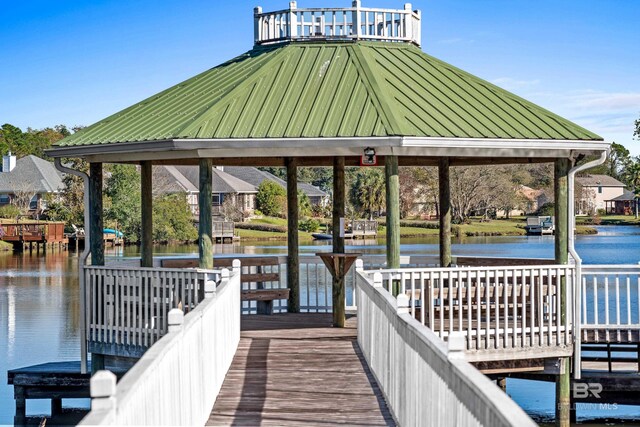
(295, 369)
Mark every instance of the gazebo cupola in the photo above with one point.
(333, 24)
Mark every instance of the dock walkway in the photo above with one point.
(295, 369)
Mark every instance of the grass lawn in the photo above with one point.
(416, 228)
(4, 246)
(269, 220)
(269, 235)
(609, 220)
(491, 228)
(410, 231)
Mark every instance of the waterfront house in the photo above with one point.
(596, 190)
(239, 194)
(26, 182)
(255, 176)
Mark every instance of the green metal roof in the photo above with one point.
(331, 89)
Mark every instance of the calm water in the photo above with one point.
(39, 319)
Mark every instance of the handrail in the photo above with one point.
(498, 309)
(177, 380)
(423, 382)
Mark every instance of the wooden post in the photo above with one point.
(561, 185)
(96, 225)
(293, 265)
(393, 211)
(205, 201)
(96, 236)
(338, 205)
(338, 241)
(445, 212)
(21, 404)
(146, 244)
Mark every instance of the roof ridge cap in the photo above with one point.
(375, 90)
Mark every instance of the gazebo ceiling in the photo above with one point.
(319, 99)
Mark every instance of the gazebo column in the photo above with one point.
(205, 201)
(146, 241)
(293, 266)
(445, 211)
(338, 205)
(563, 384)
(393, 211)
(96, 239)
(338, 242)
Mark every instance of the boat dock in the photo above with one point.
(24, 235)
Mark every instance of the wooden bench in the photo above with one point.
(263, 296)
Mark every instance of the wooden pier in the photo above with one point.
(54, 381)
(26, 234)
(295, 369)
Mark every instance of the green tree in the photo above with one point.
(68, 206)
(172, 219)
(122, 204)
(304, 205)
(367, 194)
(271, 198)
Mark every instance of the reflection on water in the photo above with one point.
(39, 318)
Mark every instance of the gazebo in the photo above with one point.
(331, 87)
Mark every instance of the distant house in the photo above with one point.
(174, 179)
(624, 204)
(595, 191)
(26, 181)
(255, 177)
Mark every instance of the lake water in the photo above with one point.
(39, 317)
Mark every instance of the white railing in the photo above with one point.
(354, 23)
(498, 309)
(315, 281)
(177, 380)
(423, 382)
(127, 307)
(610, 302)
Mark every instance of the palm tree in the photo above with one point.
(368, 192)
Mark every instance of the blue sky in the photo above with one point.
(76, 62)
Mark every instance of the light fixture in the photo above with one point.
(368, 157)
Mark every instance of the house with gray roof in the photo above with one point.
(255, 176)
(595, 191)
(178, 179)
(26, 181)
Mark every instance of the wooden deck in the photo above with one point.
(295, 369)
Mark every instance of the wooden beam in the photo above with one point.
(146, 191)
(293, 265)
(96, 225)
(338, 204)
(205, 201)
(327, 161)
(392, 182)
(445, 212)
(560, 187)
